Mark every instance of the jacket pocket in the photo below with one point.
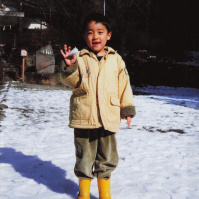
(80, 105)
(114, 110)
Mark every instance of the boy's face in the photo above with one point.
(96, 37)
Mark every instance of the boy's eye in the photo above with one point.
(100, 32)
(89, 33)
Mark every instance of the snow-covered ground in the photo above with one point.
(159, 153)
(193, 58)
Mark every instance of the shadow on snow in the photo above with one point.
(190, 103)
(172, 97)
(42, 172)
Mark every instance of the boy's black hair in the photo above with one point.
(98, 18)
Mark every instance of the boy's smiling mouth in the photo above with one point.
(95, 43)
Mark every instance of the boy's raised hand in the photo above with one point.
(69, 59)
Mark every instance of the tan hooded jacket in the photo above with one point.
(102, 93)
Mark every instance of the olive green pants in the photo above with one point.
(96, 153)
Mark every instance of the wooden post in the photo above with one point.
(23, 69)
(24, 54)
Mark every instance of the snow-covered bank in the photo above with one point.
(188, 97)
(192, 58)
(159, 153)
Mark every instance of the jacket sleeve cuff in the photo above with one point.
(128, 111)
(68, 70)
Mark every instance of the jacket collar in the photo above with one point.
(89, 52)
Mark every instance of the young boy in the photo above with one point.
(102, 95)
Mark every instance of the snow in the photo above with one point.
(159, 153)
(193, 58)
(189, 63)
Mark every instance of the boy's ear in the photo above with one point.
(109, 35)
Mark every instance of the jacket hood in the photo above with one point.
(86, 50)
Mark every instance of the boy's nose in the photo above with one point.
(95, 36)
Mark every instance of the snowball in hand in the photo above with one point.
(73, 52)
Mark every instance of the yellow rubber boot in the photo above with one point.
(84, 188)
(104, 186)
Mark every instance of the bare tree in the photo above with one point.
(124, 12)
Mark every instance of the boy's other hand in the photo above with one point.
(129, 119)
(69, 59)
